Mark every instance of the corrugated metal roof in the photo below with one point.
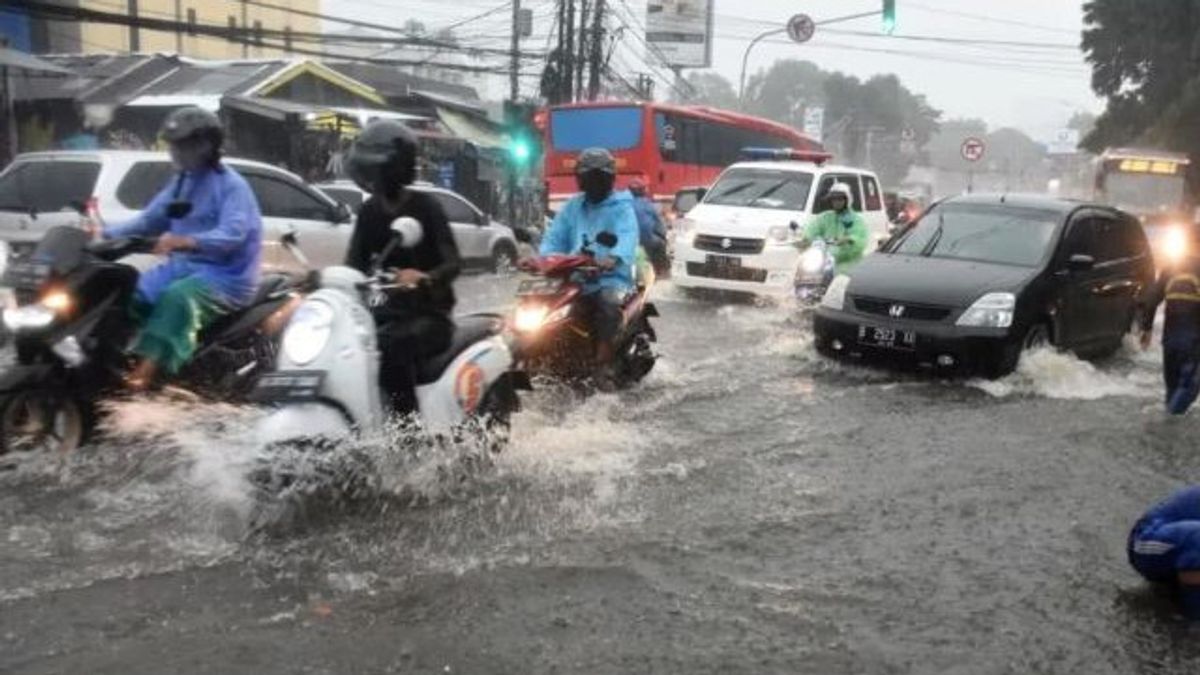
(394, 83)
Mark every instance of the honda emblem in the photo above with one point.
(896, 311)
(726, 243)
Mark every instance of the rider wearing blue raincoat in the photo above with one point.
(209, 227)
(577, 227)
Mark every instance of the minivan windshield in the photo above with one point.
(762, 189)
(994, 233)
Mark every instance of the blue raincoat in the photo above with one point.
(579, 223)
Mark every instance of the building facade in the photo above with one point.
(72, 37)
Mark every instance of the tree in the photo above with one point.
(1146, 63)
(784, 91)
(710, 88)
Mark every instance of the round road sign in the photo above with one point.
(973, 149)
(801, 28)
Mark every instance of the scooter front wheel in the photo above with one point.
(43, 420)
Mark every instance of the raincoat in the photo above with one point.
(1179, 287)
(832, 226)
(579, 223)
(1166, 541)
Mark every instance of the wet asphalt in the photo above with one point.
(750, 508)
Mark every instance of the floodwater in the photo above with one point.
(749, 508)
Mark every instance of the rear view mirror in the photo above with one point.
(408, 231)
(701, 193)
(606, 239)
(1081, 263)
(342, 213)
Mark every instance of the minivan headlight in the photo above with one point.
(835, 295)
(308, 332)
(993, 310)
(780, 234)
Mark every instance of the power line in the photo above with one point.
(954, 40)
(988, 19)
(477, 17)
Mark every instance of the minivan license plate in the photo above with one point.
(889, 338)
(723, 261)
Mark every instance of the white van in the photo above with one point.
(740, 236)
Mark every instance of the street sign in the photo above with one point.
(814, 122)
(972, 149)
(1066, 142)
(801, 28)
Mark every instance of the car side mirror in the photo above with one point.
(342, 213)
(1081, 262)
(701, 193)
(794, 227)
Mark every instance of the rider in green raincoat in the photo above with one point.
(843, 229)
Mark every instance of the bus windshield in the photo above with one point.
(575, 129)
(1143, 193)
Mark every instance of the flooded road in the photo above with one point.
(749, 508)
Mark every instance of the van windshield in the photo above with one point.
(45, 186)
(762, 189)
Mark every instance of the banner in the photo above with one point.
(681, 31)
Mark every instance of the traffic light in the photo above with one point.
(889, 17)
(523, 146)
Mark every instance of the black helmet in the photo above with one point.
(383, 158)
(193, 122)
(596, 159)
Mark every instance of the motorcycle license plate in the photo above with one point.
(289, 385)
(539, 287)
(888, 338)
(722, 261)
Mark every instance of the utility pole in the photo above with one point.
(179, 26)
(135, 37)
(583, 56)
(514, 76)
(245, 25)
(597, 59)
(568, 78)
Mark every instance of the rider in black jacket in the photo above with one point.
(414, 324)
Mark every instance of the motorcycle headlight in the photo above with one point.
(533, 318)
(994, 310)
(38, 315)
(812, 261)
(835, 295)
(1174, 246)
(308, 332)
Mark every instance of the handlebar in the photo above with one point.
(113, 249)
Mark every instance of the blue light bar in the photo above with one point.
(753, 154)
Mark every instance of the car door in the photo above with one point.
(471, 237)
(873, 208)
(287, 205)
(1081, 305)
(1120, 266)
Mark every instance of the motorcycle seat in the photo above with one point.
(248, 317)
(467, 331)
(270, 284)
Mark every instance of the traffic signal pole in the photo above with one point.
(514, 94)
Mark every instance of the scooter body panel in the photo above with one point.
(457, 394)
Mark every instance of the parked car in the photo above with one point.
(979, 279)
(741, 236)
(482, 242)
(37, 192)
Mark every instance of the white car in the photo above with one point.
(740, 236)
(482, 242)
(38, 189)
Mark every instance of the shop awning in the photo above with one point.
(474, 130)
(11, 58)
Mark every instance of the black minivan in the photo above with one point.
(980, 278)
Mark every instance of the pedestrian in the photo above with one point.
(1178, 285)
(1164, 547)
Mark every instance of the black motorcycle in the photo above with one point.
(72, 328)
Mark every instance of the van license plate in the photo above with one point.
(720, 261)
(888, 338)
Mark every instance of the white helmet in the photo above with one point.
(839, 190)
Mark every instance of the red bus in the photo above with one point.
(670, 147)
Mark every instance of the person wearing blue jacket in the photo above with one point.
(652, 232)
(1164, 546)
(209, 229)
(577, 227)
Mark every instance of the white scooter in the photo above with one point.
(325, 387)
(814, 273)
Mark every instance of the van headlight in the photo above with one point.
(308, 332)
(994, 310)
(684, 227)
(780, 234)
(835, 295)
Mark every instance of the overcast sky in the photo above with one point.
(1034, 89)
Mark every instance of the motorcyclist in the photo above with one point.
(1164, 546)
(1178, 284)
(843, 229)
(415, 323)
(651, 232)
(597, 209)
(209, 228)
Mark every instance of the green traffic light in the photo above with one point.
(520, 151)
(889, 16)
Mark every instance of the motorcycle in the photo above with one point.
(71, 331)
(814, 273)
(325, 388)
(551, 340)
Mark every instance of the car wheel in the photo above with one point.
(504, 258)
(1037, 336)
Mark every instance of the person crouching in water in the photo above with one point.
(1164, 547)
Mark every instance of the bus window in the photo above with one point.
(576, 129)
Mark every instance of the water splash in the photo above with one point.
(1053, 374)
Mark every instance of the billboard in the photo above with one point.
(681, 31)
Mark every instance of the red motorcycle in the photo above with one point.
(551, 336)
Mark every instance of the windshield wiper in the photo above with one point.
(734, 190)
(936, 238)
(770, 191)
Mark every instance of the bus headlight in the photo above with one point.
(1174, 247)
